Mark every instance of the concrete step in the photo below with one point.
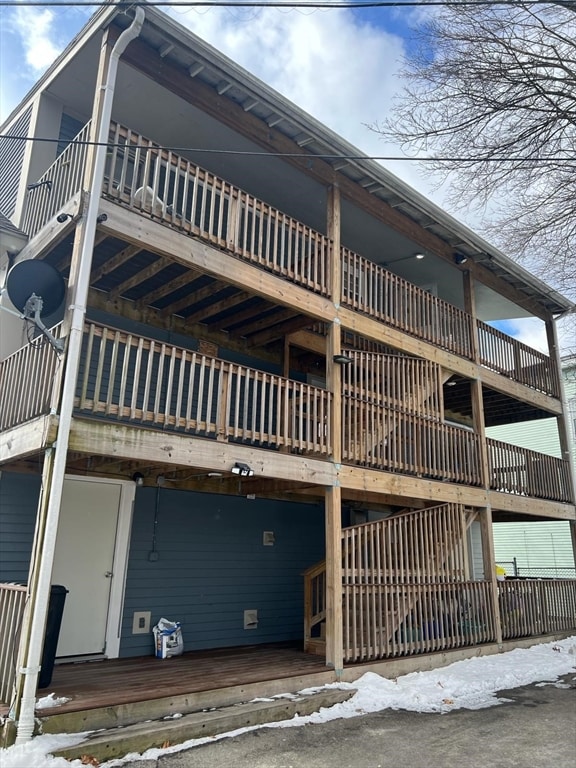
(117, 742)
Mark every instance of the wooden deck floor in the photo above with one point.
(120, 681)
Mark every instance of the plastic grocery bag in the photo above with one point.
(168, 639)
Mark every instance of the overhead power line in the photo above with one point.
(327, 4)
(297, 155)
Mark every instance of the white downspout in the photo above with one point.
(31, 666)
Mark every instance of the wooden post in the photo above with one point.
(562, 420)
(490, 566)
(476, 389)
(470, 307)
(333, 231)
(334, 641)
(333, 496)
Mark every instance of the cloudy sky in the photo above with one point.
(341, 65)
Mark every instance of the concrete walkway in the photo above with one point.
(536, 729)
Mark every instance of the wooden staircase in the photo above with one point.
(404, 586)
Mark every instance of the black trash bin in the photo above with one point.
(53, 622)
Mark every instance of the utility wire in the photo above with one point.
(298, 155)
(276, 4)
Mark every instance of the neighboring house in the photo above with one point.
(261, 378)
(539, 548)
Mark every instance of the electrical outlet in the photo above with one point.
(141, 622)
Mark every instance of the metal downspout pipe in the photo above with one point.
(31, 665)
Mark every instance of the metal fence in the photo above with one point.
(537, 572)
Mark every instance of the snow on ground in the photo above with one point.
(469, 684)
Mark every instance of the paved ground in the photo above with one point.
(537, 729)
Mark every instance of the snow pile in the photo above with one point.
(469, 684)
(46, 702)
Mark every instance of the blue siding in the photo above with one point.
(18, 503)
(212, 565)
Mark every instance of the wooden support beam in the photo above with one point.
(487, 533)
(140, 277)
(219, 306)
(27, 439)
(334, 628)
(562, 419)
(522, 505)
(116, 261)
(169, 287)
(190, 252)
(180, 450)
(278, 331)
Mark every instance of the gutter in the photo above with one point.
(47, 529)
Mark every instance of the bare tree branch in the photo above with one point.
(494, 89)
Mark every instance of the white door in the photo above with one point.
(84, 563)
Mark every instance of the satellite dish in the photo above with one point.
(36, 289)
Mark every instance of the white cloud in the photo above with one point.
(339, 69)
(38, 36)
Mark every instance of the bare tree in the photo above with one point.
(491, 90)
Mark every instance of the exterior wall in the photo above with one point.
(538, 545)
(11, 162)
(475, 551)
(18, 503)
(212, 566)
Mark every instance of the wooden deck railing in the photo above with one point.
(142, 381)
(517, 361)
(27, 380)
(12, 605)
(314, 604)
(387, 620)
(390, 439)
(528, 473)
(169, 187)
(372, 289)
(58, 185)
(537, 606)
(196, 202)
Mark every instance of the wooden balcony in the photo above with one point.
(395, 427)
(169, 188)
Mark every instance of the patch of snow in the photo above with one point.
(469, 684)
(51, 700)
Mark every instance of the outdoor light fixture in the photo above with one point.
(138, 478)
(342, 359)
(242, 469)
(62, 217)
(102, 217)
(459, 258)
(413, 256)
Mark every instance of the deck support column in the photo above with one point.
(333, 496)
(562, 421)
(334, 634)
(490, 567)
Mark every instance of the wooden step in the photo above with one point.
(117, 742)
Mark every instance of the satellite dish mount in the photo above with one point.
(32, 312)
